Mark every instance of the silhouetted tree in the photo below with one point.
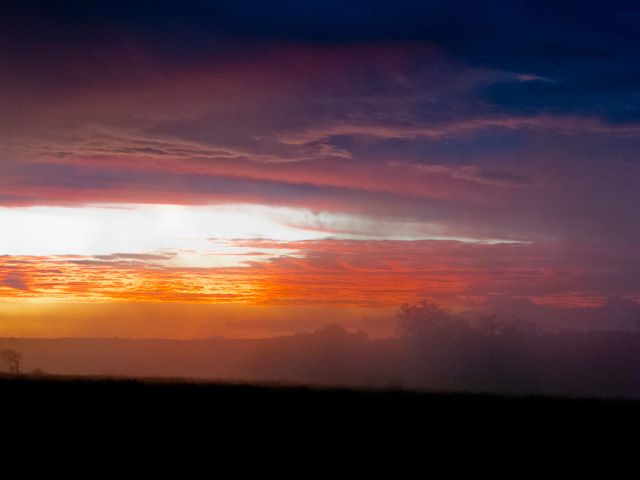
(421, 318)
(11, 359)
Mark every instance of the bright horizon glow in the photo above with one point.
(110, 229)
(104, 230)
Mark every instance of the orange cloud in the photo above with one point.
(330, 273)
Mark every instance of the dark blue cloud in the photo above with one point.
(588, 49)
(617, 100)
(489, 143)
(540, 34)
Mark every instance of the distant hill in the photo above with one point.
(512, 360)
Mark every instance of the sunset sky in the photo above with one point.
(252, 168)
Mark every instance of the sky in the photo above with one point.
(250, 168)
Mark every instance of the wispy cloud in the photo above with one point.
(334, 272)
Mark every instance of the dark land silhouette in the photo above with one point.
(116, 417)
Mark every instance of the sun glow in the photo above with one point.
(109, 229)
(106, 229)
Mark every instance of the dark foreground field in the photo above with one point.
(179, 427)
(179, 404)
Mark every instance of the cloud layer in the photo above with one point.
(510, 121)
(329, 272)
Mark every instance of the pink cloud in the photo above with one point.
(338, 272)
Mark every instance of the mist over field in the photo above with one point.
(433, 350)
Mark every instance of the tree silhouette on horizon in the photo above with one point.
(11, 358)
